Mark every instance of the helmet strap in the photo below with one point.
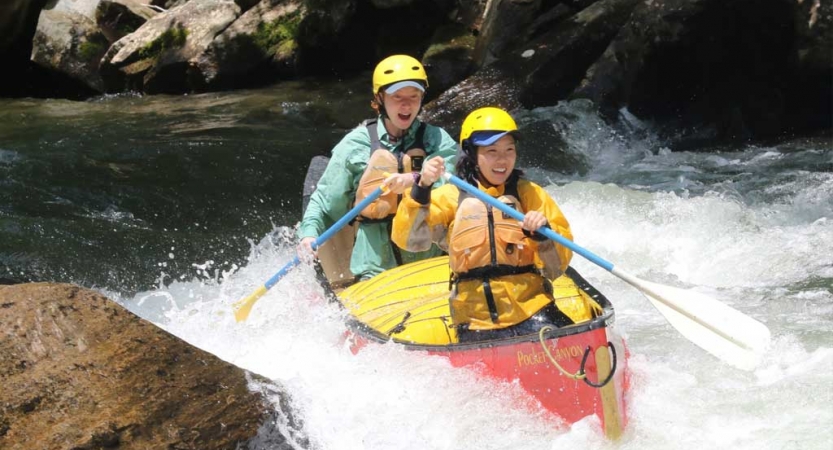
(392, 136)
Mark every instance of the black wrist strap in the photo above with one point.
(536, 236)
(421, 195)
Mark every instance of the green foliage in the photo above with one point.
(278, 36)
(171, 38)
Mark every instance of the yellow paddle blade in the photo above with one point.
(243, 307)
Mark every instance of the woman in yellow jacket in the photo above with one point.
(501, 267)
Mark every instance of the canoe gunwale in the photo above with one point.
(602, 321)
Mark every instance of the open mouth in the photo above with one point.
(499, 170)
(404, 117)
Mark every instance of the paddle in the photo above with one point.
(243, 307)
(721, 330)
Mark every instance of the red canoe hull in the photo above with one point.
(525, 362)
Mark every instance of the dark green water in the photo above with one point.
(115, 191)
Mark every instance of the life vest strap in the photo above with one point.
(490, 300)
(491, 272)
(487, 274)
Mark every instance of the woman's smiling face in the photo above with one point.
(496, 161)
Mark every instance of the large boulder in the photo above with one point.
(538, 72)
(450, 58)
(79, 371)
(707, 69)
(702, 71)
(162, 55)
(503, 22)
(720, 68)
(265, 35)
(70, 43)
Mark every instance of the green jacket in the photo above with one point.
(336, 191)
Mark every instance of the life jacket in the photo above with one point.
(384, 161)
(485, 245)
(487, 240)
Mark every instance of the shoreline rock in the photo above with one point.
(701, 70)
(79, 371)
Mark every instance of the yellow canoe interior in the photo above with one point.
(410, 303)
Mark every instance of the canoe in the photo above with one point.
(573, 371)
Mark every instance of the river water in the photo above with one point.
(177, 206)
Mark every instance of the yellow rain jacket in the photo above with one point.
(516, 296)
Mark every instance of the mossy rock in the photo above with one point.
(278, 37)
(451, 37)
(93, 48)
(172, 38)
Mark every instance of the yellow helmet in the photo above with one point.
(491, 119)
(399, 68)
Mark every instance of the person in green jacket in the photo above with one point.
(387, 150)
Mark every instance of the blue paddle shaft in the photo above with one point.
(320, 240)
(515, 214)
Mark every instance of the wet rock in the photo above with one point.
(80, 372)
(266, 34)
(702, 71)
(503, 23)
(717, 71)
(161, 55)
(70, 43)
(539, 72)
(450, 58)
(118, 18)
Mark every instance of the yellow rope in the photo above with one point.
(576, 376)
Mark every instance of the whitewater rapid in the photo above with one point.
(751, 227)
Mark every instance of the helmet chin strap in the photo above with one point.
(381, 102)
(400, 133)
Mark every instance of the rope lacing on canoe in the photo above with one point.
(580, 375)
